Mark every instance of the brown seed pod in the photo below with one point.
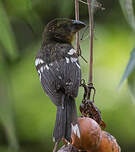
(107, 144)
(89, 109)
(90, 134)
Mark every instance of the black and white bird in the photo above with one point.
(59, 71)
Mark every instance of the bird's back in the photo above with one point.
(59, 70)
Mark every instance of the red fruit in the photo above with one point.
(90, 134)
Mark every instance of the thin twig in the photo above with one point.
(91, 32)
(91, 40)
(77, 18)
(83, 2)
(98, 5)
(80, 54)
(77, 34)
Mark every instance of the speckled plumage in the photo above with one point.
(60, 72)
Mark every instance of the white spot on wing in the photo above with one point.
(60, 77)
(67, 60)
(38, 61)
(39, 74)
(53, 139)
(76, 130)
(57, 69)
(73, 59)
(72, 51)
(78, 65)
(47, 67)
(41, 69)
(41, 61)
(51, 64)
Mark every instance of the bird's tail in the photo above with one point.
(66, 119)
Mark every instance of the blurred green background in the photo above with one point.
(27, 115)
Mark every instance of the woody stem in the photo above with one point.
(91, 32)
(77, 18)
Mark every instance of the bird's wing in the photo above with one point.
(59, 77)
(71, 75)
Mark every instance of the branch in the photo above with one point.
(91, 40)
(96, 5)
(77, 18)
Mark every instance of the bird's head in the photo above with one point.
(62, 30)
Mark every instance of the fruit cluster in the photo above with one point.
(93, 138)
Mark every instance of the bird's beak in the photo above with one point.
(77, 25)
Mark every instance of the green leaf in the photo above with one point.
(7, 117)
(7, 38)
(18, 7)
(130, 67)
(6, 107)
(25, 10)
(127, 8)
(131, 84)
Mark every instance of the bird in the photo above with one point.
(59, 71)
